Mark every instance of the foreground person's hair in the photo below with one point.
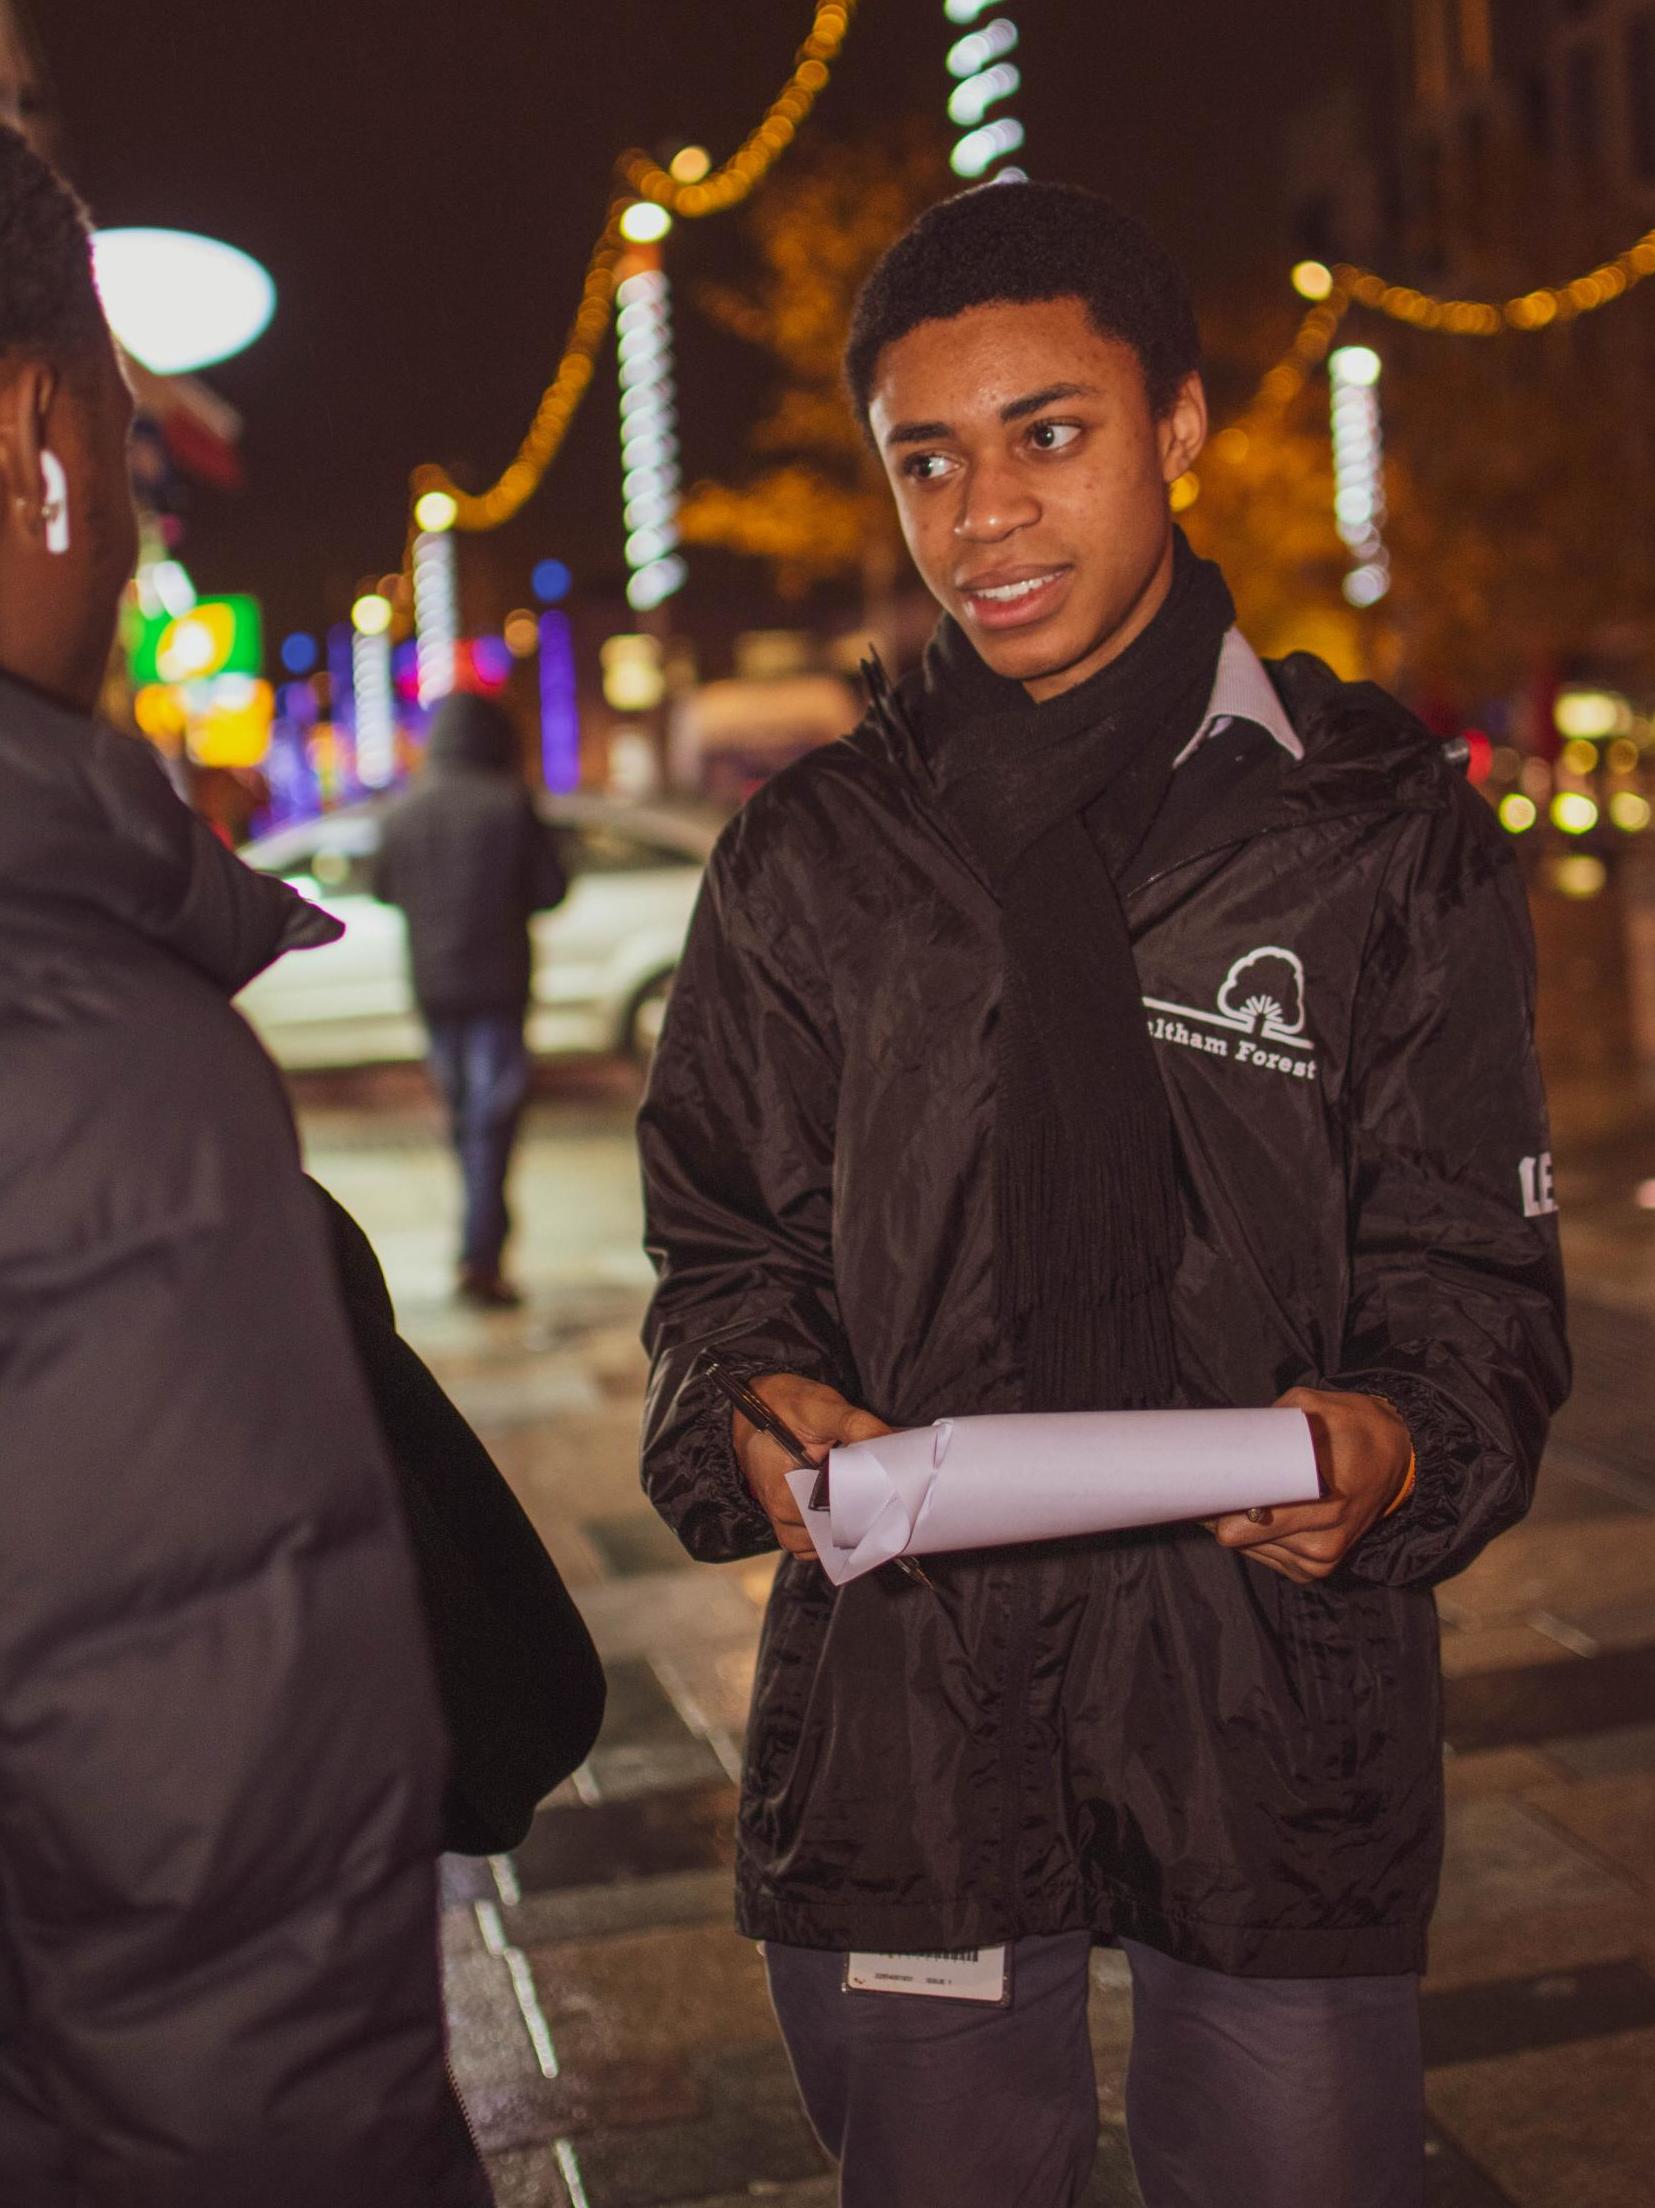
(1017, 244)
(48, 301)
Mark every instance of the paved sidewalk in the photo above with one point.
(611, 2033)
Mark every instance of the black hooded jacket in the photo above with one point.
(468, 859)
(220, 1750)
(1144, 1735)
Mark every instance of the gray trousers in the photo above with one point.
(1240, 2092)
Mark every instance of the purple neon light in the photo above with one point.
(559, 708)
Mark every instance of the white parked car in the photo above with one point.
(604, 960)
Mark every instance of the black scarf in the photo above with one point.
(1053, 801)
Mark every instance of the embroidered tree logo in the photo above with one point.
(1265, 990)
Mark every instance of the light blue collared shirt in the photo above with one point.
(1242, 691)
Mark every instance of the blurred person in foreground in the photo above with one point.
(1111, 1022)
(469, 860)
(220, 1751)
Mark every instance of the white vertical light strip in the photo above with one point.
(376, 718)
(436, 613)
(984, 76)
(1359, 471)
(649, 438)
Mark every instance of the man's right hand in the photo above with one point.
(821, 1418)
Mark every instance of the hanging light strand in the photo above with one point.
(764, 145)
(642, 177)
(1529, 310)
(1337, 289)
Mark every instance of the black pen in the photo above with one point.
(754, 1409)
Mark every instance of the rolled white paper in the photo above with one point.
(978, 1483)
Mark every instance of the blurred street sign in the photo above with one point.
(218, 636)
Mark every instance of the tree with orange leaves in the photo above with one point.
(819, 511)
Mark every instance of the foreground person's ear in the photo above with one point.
(33, 480)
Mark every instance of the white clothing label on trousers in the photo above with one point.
(972, 1974)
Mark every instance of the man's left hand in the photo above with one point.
(1362, 1453)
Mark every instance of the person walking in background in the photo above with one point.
(469, 861)
(221, 1754)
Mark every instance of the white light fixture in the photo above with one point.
(649, 446)
(436, 511)
(972, 100)
(1591, 713)
(983, 77)
(178, 302)
(375, 698)
(436, 614)
(1355, 364)
(979, 48)
(644, 223)
(1359, 472)
(372, 614)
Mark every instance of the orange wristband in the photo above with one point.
(1409, 1479)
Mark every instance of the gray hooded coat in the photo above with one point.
(220, 1753)
(469, 860)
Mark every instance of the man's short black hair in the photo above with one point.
(48, 299)
(1021, 243)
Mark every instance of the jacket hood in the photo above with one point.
(468, 731)
(88, 820)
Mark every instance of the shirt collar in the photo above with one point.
(1242, 691)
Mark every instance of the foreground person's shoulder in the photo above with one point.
(123, 1134)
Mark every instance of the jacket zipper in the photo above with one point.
(1021, 1635)
(465, 2113)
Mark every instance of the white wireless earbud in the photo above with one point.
(55, 511)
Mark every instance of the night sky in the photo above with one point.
(424, 181)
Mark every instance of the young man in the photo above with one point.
(220, 1749)
(470, 861)
(1108, 1022)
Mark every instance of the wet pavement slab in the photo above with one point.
(610, 2031)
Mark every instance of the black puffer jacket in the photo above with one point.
(517, 1674)
(468, 859)
(220, 1750)
(1142, 1735)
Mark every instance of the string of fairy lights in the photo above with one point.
(640, 178)
(626, 282)
(1354, 375)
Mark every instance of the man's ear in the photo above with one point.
(1183, 429)
(26, 396)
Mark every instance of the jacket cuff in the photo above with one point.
(705, 1446)
(1447, 1449)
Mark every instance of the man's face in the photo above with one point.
(1031, 479)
